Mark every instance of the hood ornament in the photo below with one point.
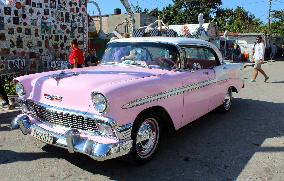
(62, 75)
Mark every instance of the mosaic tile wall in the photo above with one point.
(35, 34)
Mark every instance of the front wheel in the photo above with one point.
(146, 137)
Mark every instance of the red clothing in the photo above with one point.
(76, 53)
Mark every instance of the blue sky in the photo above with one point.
(257, 7)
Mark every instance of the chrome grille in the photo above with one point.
(61, 118)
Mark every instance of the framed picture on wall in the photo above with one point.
(45, 28)
(28, 31)
(53, 4)
(2, 25)
(11, 31)
(46, 11)
(7, 10)
(16, 20)
(39, 5)
(28, 2)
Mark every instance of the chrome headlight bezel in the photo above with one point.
(100, 102)
(20, 90)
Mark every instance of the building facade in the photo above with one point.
(35, 35)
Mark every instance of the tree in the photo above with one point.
(277, 25)
(237, 20)
(186, 11)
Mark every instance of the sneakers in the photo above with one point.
(252, 80)
(265, 80)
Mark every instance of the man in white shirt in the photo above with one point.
(258, 58)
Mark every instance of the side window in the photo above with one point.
(192, 53)
(209, 55)
(209, 58)
(200, 58)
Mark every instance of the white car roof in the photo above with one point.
(172, 40)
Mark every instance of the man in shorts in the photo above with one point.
(258, 58)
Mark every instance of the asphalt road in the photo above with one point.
(245, 144)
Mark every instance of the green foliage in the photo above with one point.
(237, 20)
(277, 24)
(9, 87)
(186, 11)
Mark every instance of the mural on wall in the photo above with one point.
(35, 34)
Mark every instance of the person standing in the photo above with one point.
(76, 57)
(237, 54)
(282, 50)
(91, 59)
(273, 51)
(258, 58)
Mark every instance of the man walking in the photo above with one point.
(258, 58)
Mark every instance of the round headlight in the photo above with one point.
(99, 102)
(20, 89)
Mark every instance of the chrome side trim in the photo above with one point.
(170, 93)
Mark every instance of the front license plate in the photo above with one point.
(42, 136)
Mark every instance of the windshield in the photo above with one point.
(148, 55)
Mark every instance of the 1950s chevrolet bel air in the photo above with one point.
(142, 88)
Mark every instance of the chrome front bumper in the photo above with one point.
(72, 141)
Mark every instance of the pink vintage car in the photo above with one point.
(143, 88)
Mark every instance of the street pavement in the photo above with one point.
(245, 144)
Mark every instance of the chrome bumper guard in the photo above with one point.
(74, 143)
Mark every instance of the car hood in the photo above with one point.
(72, 88)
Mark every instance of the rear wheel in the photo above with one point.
(146, 137)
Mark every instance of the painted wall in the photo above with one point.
(35, 34)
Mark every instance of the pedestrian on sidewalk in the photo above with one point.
(236, 53)
(258, 58)
(282, 50)
(91, 58)
(273, 51)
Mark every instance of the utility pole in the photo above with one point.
(269, 17)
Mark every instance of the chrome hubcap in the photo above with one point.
(228, 100)
(147, 138)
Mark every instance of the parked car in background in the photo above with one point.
(143, 88)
